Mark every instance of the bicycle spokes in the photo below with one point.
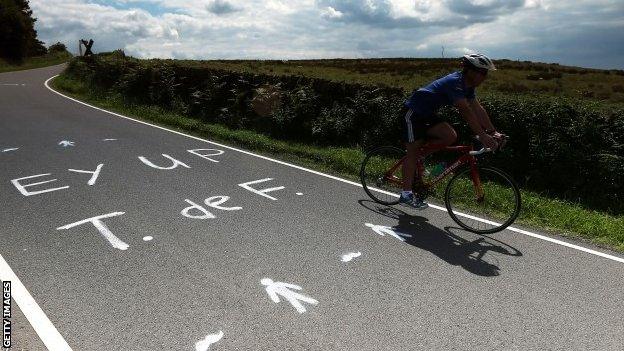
(476, 182)
(381, 174)
(482, 199)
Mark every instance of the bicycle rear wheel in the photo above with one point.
(499, 200)
(381, 170)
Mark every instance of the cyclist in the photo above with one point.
(423, 125)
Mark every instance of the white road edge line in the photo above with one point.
(52, 339)
(538, 236)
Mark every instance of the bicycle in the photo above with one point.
(478, 190)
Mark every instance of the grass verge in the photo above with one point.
(35, 62)
(560, 217)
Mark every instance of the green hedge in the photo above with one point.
(564, 148)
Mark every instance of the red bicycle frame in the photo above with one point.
(465, 158)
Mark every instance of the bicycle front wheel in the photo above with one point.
(491, 195)
(381, 174)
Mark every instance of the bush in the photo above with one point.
(58, 47)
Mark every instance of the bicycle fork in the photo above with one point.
(476, 181)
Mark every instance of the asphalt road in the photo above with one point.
(111, 257)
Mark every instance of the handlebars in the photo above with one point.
(482, 151)
(502, 141)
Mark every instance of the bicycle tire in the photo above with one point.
(506, 209)
(376, 162)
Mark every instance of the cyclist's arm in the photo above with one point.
(481, 114)
(469, 115)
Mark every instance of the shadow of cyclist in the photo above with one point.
(452, 248)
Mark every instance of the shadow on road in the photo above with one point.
(459, 248)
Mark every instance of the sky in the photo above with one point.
(586, 33)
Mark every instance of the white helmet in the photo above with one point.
(479, 61)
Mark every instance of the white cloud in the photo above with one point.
(331, 12)
(527, 29)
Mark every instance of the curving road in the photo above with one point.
(117, 235)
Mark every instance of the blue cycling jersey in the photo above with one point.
(447, 90)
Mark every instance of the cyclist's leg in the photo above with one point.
(409, 165)
(426, 130)
(414, 138)
(441, 133)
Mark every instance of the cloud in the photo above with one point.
(548, 32)
(110, 28)
(375, 13)
(419, 13)
(221, 7)
(484, 9)
(331, 13)
(480, 11)
(539, 30)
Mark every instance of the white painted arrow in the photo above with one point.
(383, 230)
(279, 288)
(10, 149)
(66, 143)
(203, 345)
(348, 257)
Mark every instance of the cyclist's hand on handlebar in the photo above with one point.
(497, 135)
(500, 138)
(488, 141)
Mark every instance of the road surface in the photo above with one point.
(117, 235)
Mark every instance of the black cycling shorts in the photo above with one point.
(415, 126)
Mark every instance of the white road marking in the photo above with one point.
(196, 152)
(279, 288)
(216, 201)
(210, 339)
(51, 337)
(175, 163)
(10, 149)
(95, 173)
(213, 201)
(350, 256)
(263, 191)
(520, 231)
(299, 194)
(102, 228)
(383, 230)
(66, 143)
(110, 139)
(22, 187)
(147, 238)
(205, 214)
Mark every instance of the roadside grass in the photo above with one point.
(35, 62)
(555, 216)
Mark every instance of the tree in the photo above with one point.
(18, 37)
(58, 47)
